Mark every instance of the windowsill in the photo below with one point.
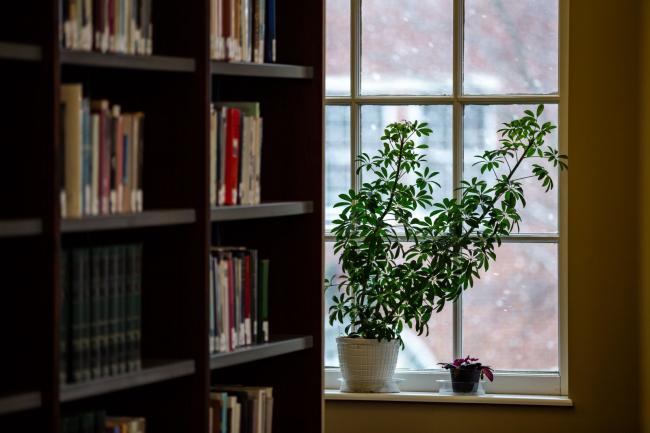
(434, 397)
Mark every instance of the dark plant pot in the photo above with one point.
(465, 379)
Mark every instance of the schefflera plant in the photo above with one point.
(398, 269)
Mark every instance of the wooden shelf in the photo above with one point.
(154, 372)
(152, 218)
(20, 227)
(126, 61)
(280, 346)
(268, 70)
(264, 210)
(19, 402)
(15, 51)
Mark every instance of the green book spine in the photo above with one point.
(86, 314)
(264, 298)
(129, 307)
(75, 358)
(120, 340)
(105, 310)
(254, 295)
(64, 321)
(95, 319)
(137, 306)
(113, 310)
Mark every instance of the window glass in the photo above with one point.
(337, 47)
(510, 316)
(337, 158)
(406, 47)
(511, 46)
(481, 124)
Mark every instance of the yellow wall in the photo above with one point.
(645, 216)
(603, 263)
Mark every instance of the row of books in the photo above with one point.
(243, 30)
(115, 26)
(102, 156)
(235, 153)
(239, 285)
(99, 422)
(241, 409)
(100, 333)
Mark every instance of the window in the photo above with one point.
(463, 66)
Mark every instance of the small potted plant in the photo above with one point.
(466, 373)
(398, 268)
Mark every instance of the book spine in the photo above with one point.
(86, 175)
(105, 309)
(64, 320)
(123, 320)
(269, 39)
(96, 314)
(211, 329)
(137, 307)
(113, 310)
(71, 95)
(254, 296)
(264, 299)
(247, 298)
(94, 184)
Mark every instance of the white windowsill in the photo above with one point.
(434, 397)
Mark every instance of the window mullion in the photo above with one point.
(458, 152)
(355, 74)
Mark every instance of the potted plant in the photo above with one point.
(466, 373)
(387, 284)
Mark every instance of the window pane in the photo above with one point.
(337, 48)
(481, 123)
(337, 158)
(439, 154)
(510, 316)
(407, 47)
(421, 352)
(511, 46)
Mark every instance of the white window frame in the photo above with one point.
(506, 382)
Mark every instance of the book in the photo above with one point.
(270, 43)
(238, 305)
(255, 403)
(236, 153)
(100, 312)
(71, 97)
(103, 149)
(117, 26)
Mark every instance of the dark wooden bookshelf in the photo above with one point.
(263, 210)
(152, 218)
(152, 372)
(19, 402)
(267, 70)
(174, 89)
(277, 347)
(125, 61)
(24, 52)
(20, 227)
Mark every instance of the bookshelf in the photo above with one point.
(279, 346)
(174, 87)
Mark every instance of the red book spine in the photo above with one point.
(232, 155)
(247, 298)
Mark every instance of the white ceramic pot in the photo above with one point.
(367, 365)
